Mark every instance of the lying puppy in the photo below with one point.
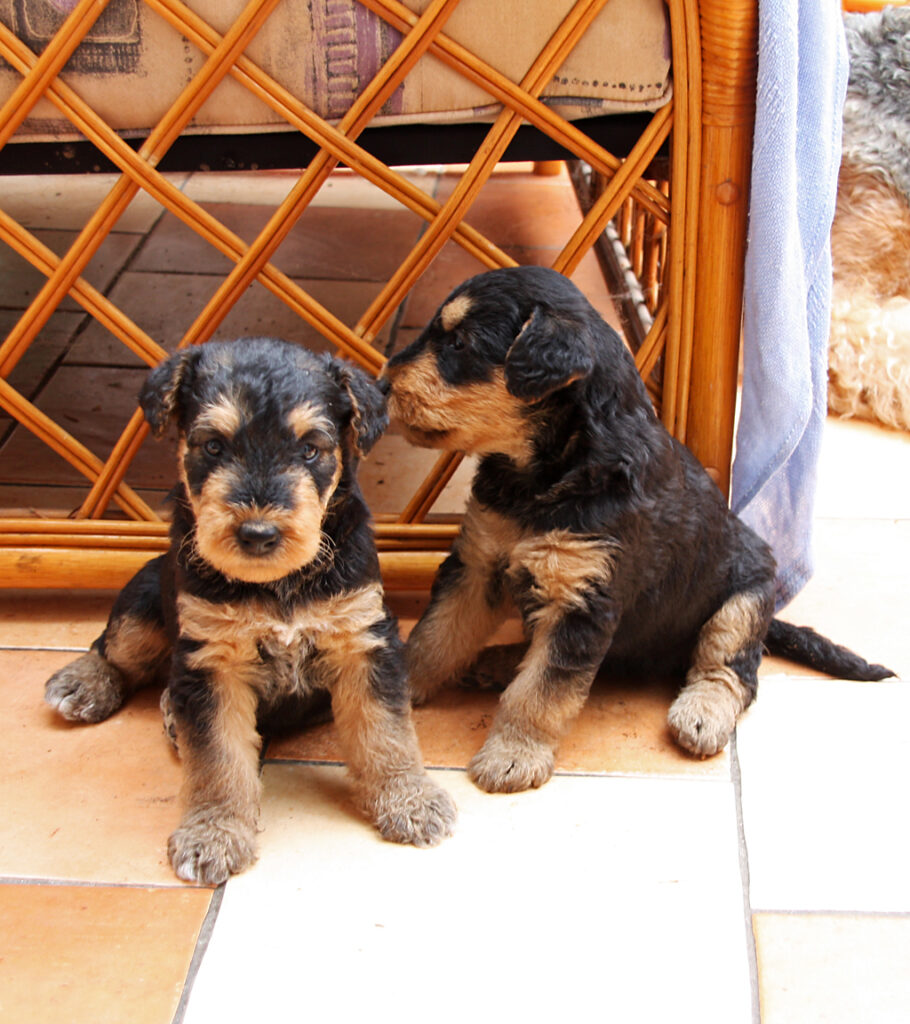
(270, 591)
(607, 534)
(869, 344)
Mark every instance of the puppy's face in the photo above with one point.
(265, 429)
(500, 344)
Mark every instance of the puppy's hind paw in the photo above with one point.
(494, 668)
(89, 689)
(702, 719)
(413, 809)
(210, 851)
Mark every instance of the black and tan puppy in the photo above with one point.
(607, 534)
(270, 592)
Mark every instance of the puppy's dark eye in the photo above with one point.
(455, 342)
(213, 447)
(309, 452)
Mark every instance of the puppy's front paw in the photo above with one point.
(703, 717)
(510, 762)
(89, 689)
(211, 850)
(412, 809)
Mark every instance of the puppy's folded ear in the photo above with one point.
(159, 395)
(369, 417)
(549, 353)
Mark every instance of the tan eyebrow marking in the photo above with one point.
(308, 416)
(452, 313)
(224, 417)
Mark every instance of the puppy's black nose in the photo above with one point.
(257, 537)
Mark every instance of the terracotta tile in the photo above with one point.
(94, 954)
(452, 266)
(94, 404)
(394, 469)
(53, 618)
(621, 730)
(589, 278)
(837, 968)
(59, 502)
(20, 282)
(624, 881)
(87, 803)
(41, 355)
(823, 769)
(166, 305)
(521, 210)
(325, 242)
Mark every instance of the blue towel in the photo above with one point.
(802, 79)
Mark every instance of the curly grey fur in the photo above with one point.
(877, 110)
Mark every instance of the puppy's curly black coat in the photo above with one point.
(606, 533)
(269, 597)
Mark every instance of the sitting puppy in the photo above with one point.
(607, 534)
(270, 591)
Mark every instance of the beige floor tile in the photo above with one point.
(269, 188)
(864, 472)
(858, 594)
(83, 802)
(53, 618)
(823, 767)
(245, 188)
(840, 969)
(67, 201)
(95, 955)
(617, 898)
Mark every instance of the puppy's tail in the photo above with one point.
(806, 647)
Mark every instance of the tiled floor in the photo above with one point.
(768, 883)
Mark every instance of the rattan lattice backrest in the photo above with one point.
(669, 337)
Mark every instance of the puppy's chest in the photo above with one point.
(553, 566)
(279, 652)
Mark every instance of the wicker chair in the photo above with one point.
(681, 221)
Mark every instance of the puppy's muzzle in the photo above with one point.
(257, 538)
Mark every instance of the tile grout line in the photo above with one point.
(82, 883)
(831, 912)
(559, 773)
(751, 952)
(201, 948)
(42, 647)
